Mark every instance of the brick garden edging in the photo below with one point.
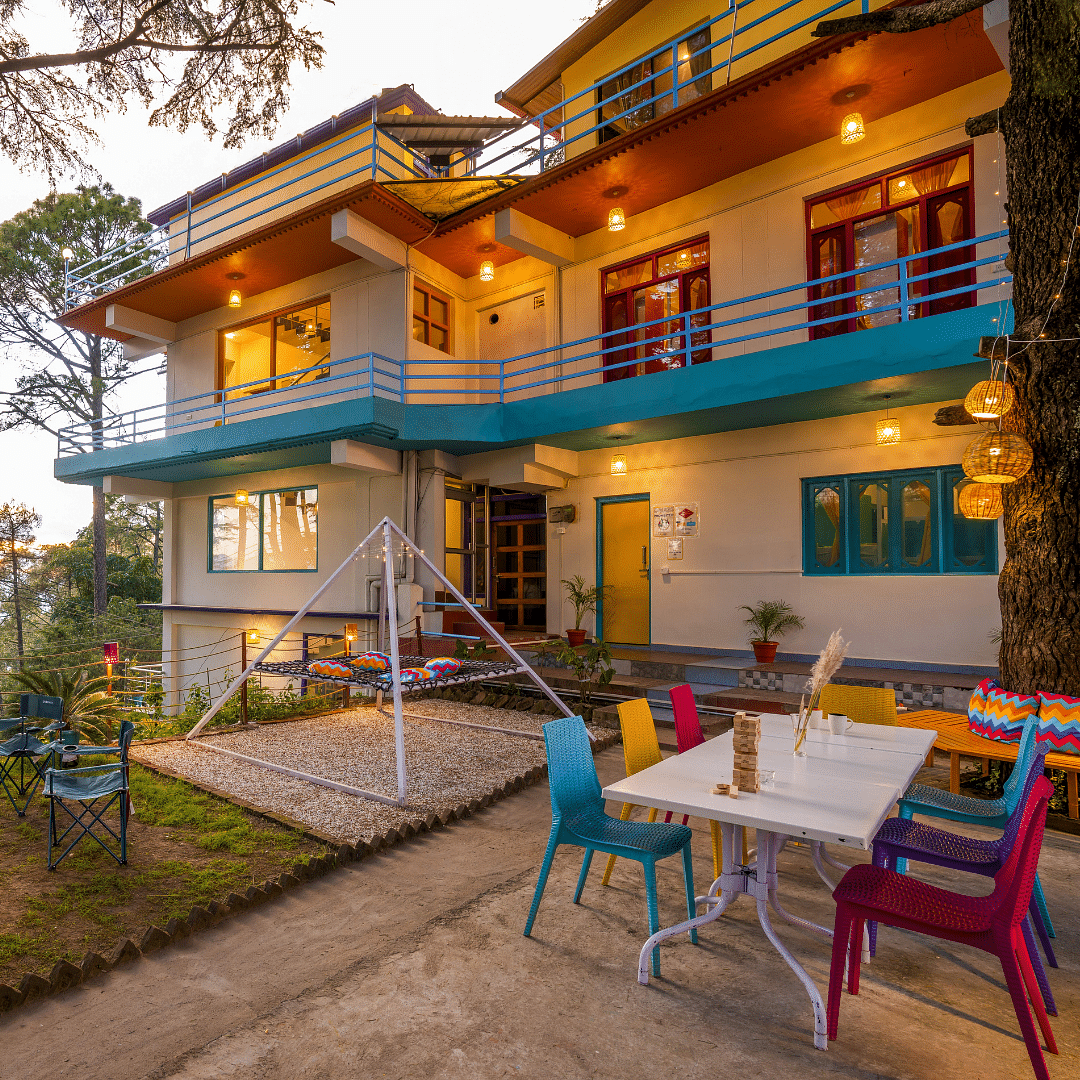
(65, 975)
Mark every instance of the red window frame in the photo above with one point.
(622, 351)
(844, 314)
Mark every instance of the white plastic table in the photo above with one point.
(838, 793)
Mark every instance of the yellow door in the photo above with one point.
(625, 564)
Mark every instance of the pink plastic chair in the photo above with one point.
(991, 923)
(688, 734)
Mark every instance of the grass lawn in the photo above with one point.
(184, 846)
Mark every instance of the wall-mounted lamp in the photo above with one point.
(243, 498)
(234, 298)
(616, 219)
(351, 631)
(253, 637)
(618, 464)
(487, 270)
(852, 129)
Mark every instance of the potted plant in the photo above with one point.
(768, 621)
(584, 601)
(593, 670)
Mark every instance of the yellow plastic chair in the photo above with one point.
(640, 750)
(863, 704)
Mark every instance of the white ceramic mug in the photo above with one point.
(838, 723)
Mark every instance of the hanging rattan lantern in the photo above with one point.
(888, 428)
(989, 399)
(997, 457)
(981, 502)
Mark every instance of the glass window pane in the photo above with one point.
(507, 615)
(931, 178)
(532, 533)
(507, 589)
(290, 530)
(437, 337)
(971, 537)
(456, 533)
(419, 302)
(917, 524)
(439, 311)
(454, 571)
(534, 561)
(628, 276)
(506, 535)
(534, 588)
(827, 527)
(882, 239)
(419, 329)
(245, 358)
(234, 538)
(535, 615)
(848, 205)
(507, 562)
(303, 343)
(675, 262)
(874, 525)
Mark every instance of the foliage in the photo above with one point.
(17, 525)
(238, 53)
(478, 651)
(584, 599)
(771, 619)
(592, 668)
(87, 707)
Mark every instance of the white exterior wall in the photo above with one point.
(750, 545)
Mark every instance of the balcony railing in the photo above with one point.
(375, 155)
(900, 290)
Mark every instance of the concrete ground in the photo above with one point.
(413, 964)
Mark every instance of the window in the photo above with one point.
(519, 546)
(270, 530)
(650, 294)
(894, 523)
(466, 549)
(901, 213)
(625, 100)
(431, 317)
(275, 352)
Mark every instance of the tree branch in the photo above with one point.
(900, 20)
(985, 124)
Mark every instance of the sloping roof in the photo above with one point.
(355, 117)
(539, 77)
(445, 134)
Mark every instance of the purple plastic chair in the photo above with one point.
(902, 838)
(989, 923)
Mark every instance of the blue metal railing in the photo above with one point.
(152, 250)
(685, 339)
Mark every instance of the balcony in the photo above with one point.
(756, 360)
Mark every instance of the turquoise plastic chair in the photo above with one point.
(934, 802)
(578, 818)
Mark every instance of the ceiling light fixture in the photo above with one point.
(852, 129)
(487, 270)
(616, 219)
(888, 429)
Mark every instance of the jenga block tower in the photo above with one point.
(747, 738)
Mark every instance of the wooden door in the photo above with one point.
(624, 571)
(519, 553)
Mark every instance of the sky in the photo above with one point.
(457, 53)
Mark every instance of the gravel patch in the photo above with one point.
(446, 765)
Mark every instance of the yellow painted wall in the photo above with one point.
(747, 484)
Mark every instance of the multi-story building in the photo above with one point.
(676, 291)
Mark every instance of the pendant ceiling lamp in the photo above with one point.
(852, 129)
(888, 428)
(487, 270)
(997, 457)
(616, 219)
(989, 399)
(981, 502)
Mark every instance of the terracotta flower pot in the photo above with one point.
(764, 651)
(577, 637)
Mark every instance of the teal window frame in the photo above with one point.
(944, 558)
(259, 494)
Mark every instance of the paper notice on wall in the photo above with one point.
(674, 550)
(663, 520)
(686, 519)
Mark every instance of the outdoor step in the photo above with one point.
(766, 701)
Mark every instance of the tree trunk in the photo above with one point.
(15, 596)
(1039, 587)
(96, 395)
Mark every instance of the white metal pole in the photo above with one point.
(395, 656)
(237, 683)
(485, 624)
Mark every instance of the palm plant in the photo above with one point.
(87, 707)
(771, 619)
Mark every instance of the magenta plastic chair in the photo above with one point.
(991, 923)
(688, 734)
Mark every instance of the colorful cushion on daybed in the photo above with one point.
(331, 669)
(995, 713)
(371, 661)
(443, 665)
(1059, 722)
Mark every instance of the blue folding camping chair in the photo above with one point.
(84, 789)
(24, 756)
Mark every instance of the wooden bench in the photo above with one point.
(955, 739)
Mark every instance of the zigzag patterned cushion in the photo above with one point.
(443, 665)
(332, 669)
(416, 674)
(1003, 714)
(1059, 722)
(977, 705)
(371, 661)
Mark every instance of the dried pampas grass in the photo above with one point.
(825, 667)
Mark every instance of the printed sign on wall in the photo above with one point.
(663, 520)
(674, 550)
(686, 519)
